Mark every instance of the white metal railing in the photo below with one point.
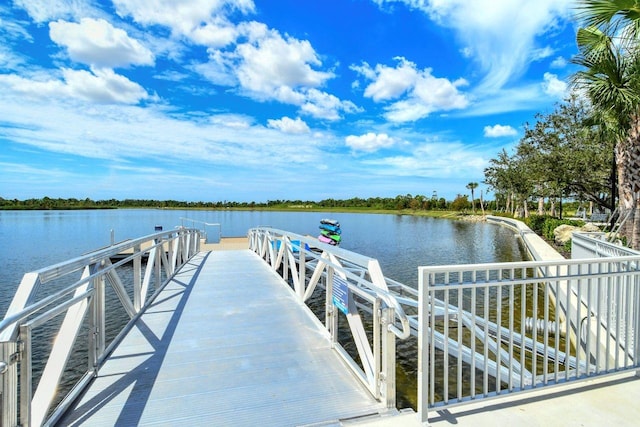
(483, 313)
(56, 305)
(347, 286)
(595, 245)
(205, 228)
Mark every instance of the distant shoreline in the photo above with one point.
(428, 213)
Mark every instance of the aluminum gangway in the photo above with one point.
(225, 344)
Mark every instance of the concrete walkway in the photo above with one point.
(602, 402)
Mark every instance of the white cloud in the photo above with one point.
(49, 10)
(389, 83)
(218, 35)
(499, 34)
(222, 145)
(369, 142)
(272, 62)
(10, 60)
(554, 86)
(422, 92)
(13, 29)
(559, 62)
(235, 121)
(446, 160)
(288, 125)
(323, 105)
(96, 42)
(267, 66)
(32, 87)
(540, 54)
(528, 97)
(100, 85)
(497, 131)
(218, 70)
(198, 19)
(170, 75)
(103, 86)
(260, 62)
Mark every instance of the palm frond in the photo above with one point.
(603, 13)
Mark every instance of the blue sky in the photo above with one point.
(270, 99)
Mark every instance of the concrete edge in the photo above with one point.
(538, 249)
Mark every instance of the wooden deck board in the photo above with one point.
(225, 343)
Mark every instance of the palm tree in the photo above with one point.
(472, 186)
(609, 51)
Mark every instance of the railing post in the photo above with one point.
(158, 263)
(26, 385)
(388, 378)
(100, 324)
(286, 247)
(636, 323)
(331, 312)
(423, 349)
(302, 270)
(9, 383)
(137, 279)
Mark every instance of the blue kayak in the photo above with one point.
(333, 228)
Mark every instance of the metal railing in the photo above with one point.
(596, 245)
(205, 228)
(352, 298)
(55, 306)
(491, 346)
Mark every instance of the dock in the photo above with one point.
(225, 344)
(226, 244)
(276, 329)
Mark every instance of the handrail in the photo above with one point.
(586, 314)
(83, 300)
(353, 285)
(61, 269)
(358, 259)
(205, 224)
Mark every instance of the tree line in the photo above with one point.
(400, 202)
(561, 156)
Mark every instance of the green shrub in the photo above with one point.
(536, 222)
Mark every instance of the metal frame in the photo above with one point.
(79, 300)
(204, 227)
(575, 336)
(308, 264)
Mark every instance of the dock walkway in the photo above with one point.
(225, 343)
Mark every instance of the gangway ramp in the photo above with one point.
(224, 343)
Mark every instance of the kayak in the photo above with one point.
(325, 239)
(333, 228)
(330, 222)
(332, 236)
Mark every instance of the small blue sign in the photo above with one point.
(340, 295)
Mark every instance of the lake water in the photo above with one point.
(36, 239)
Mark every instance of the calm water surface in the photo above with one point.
(35, 239)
